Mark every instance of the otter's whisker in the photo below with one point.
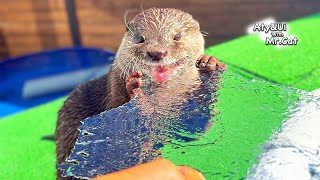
(116, 64)
(144, 16)
(134, 68)
(204, 32)
(131, 66)
(124, 73)
(125, 21)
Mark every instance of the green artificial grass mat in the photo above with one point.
(297, 66)
(248, 113)
(23, 153)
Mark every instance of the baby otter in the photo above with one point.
(163, 43)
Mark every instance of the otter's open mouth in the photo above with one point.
(162, 73)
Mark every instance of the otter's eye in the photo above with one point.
(177, 37)
(141, 39)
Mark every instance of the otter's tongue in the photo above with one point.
(162, 74)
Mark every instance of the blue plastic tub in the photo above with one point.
(37, 78)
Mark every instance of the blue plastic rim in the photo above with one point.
(16, 71)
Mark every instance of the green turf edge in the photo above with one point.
(23, 154)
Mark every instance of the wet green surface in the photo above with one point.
(249, 111)
(297, 66)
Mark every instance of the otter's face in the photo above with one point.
(161, 43)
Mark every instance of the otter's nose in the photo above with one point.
(158, 54)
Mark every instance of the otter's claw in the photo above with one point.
(134, 84)
(207, 63)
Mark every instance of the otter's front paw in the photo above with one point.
(134, 84)
(207, 63)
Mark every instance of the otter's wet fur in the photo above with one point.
(170, 29)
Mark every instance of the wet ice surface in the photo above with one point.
(215, 127)
(134, 133)
(294, 152)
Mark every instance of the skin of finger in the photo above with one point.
(159, 169)
(213, 60)
(203, 61)
(134, 87)
(221, 65)
(212, 63)
(136, 74)
(134, 84)
(199, 58)
(190, 173)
